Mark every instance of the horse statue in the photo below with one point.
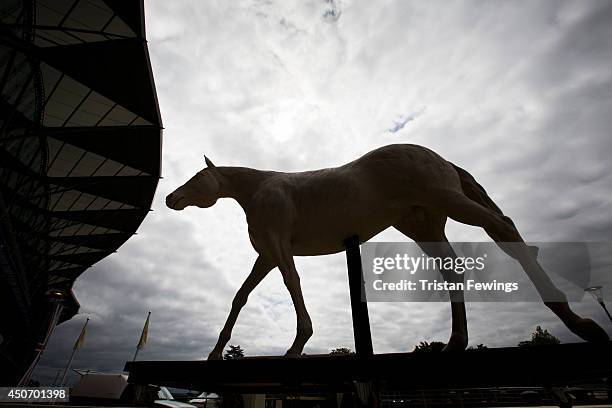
(308, 213)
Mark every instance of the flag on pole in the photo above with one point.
(79, 342)
(145, 333)
(77, 345)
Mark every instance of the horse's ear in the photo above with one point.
(209, 164)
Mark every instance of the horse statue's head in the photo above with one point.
(202, 190)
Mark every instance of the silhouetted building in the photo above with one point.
(80, 148)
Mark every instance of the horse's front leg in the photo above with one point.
(260, 270)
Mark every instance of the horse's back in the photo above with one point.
(409, 167)
(366, 196)
(362, 197)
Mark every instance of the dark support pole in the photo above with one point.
(359, 308)
(601, 302)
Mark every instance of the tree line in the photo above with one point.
(540, 337)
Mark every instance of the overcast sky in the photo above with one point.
(518, 93)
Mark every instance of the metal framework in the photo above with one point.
(80, 150)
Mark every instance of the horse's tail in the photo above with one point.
(475, 191)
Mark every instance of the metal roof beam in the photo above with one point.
(103, 140)
(131, 12)
(134, 190)
(108, 242)
(85, 259)
(88, 63)
(121, 220)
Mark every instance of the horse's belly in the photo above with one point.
(326, 236)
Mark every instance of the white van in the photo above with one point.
(114, 390)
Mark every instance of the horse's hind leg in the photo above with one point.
(426, 228)
(502, 230)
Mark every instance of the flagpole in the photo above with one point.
(143, 337)
(77, 344)
(40, 347)
(56, 377)
(136, 354)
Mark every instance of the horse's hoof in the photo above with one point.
(589, 331)
(215, 356)
(457, 342)
(293, 354)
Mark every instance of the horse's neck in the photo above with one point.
(240, 183)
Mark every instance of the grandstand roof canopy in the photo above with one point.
(76, 87)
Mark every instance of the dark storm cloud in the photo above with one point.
(117, 293)
(518, 93)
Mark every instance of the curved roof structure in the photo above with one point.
(80, 141)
